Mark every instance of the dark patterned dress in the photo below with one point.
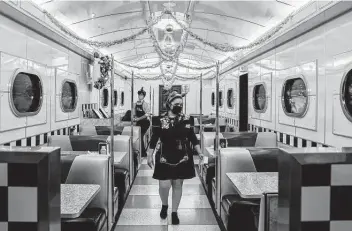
(174, 159)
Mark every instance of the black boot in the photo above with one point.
(174, 218)
(163, 213)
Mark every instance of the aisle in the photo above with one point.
(142, 208)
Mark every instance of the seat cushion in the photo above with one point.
(229, 202)
(92, 219)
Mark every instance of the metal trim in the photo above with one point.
(76, 90)
(12, 106)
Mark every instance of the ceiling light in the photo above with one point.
(93, 15)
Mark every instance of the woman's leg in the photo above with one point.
(164, 188)
(176, 199)
(176, 194)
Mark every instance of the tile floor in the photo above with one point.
(142, 208)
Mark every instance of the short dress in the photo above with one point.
(176, 135)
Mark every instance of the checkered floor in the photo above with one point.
(142, 208)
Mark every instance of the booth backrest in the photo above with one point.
(266, 139)
(92, 169)
(208, 139)
(60, 141)
(87, 130)
(122, 144)
(66, 164)
(265, 159)
(87, 143)
(233, 160)
(240, 139)
(136, 131)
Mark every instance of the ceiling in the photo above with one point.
(234, 22)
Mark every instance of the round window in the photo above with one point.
(294, 97)
(346, 95)
(105, 98)
(221, 99)
(259, 98)
(230, 98)
(122, 98)
(115, 97)
(26, 93)
(69, 96)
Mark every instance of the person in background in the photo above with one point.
(174, 158)
(141, 114)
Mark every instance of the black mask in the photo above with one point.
(176, 109)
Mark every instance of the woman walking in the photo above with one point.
(174, 159)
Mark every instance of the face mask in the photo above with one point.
(176, 109)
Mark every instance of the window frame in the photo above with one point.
(107, 100)
(227, 98)
(75, 105)
(295, 115)
(11, 99)
(342, 93)
(266, 97)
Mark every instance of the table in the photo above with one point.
(118, 156)
(254, 184)
(76, 197)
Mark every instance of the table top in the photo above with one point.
(118, 156)
(76, 197)
(254, 184)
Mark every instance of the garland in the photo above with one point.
(105, 68)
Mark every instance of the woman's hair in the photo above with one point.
(142, 92)
(173, 95)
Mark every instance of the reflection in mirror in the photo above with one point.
(105, 99)
(259, 98)
(346, 95)
(69, 96)
(26, 94)
(230, 98)
(295, 97)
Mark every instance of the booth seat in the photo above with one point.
(83, 169)
(238, 213)
(90, 143)
(235, 139)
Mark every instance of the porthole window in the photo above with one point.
(221, 99)
(230, 98)
(294, 96)
(105, 98)
(259, 98)
(122, 98)
(213, 99)
(115, 98)
(69, 96)
(346, 95)
(26, 93)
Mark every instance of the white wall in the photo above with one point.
(322, 56)
(23, 48)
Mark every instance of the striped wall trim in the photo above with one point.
(89, 106)
(287, 139)
(42, 138)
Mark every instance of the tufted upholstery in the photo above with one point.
(60, 141)
(84, 171)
